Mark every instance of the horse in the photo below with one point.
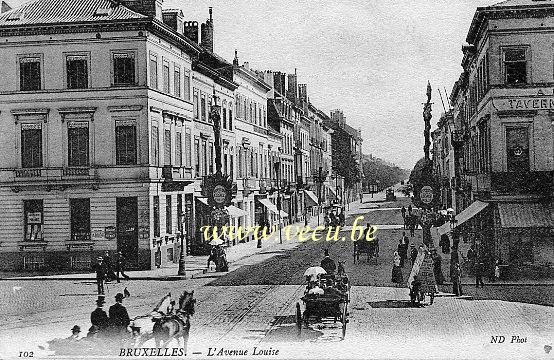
(363, 246)
(176, 326)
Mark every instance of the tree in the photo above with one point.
(344, 159)
(377, 170)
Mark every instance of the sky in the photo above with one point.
(370, 58)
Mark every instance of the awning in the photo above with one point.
(269, 205)
(524, 215)
(333, 192)
(311, 198)
(475, 208)
(203, 200)
(235, 211)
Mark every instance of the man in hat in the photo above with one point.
(328, 264)
(100, 269)
(75, 332)
(119, 318)
(121, 266)
(99, 318)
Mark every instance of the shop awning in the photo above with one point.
(269, 205)
(203, 200)
(235, 211)
(333, 193)
(475, 208)
(311, 199)
(524, 215)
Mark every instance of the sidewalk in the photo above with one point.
(196, 265)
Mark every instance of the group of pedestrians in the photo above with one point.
(401, 257)
(105, 271)
(114, 323)
(410, 219)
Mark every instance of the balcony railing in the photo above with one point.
(27, 173)
(76, 171)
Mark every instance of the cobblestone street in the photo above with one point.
(254, 305)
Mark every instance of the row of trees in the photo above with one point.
(379, 171)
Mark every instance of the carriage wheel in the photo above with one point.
(344, 320)
(298, 318)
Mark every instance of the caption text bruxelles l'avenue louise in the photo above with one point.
(303, 233)
(212, 351)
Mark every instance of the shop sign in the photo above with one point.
(110, 233)
(34, 218)
(219, 194)
(97, 234)
(426, 195)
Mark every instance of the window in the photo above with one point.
(180, 213)
(231, 166)
(204, 157)
(33, 211)
(230, 119)
(155, 146)
(188, 148)
(517, 149)
(211, 159)
(76, 67)
(156, 212)
(196, 108)
(166, 76)
(125, 143)
(30, 73)
(124, 68)
(31, 145)
(178, 149)
(168, 213)
(515, 66)
(203, 107)
(186, 85)
(167, 147)
(177, 82)
(77, 143)
(153, 71)
(197, 154)
(80, 219)
(224, 118)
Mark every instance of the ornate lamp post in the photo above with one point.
(181, 270)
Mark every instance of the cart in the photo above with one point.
(332, 302)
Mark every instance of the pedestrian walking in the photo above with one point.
(361, 198)
(410, 209)
(401, 252)
(437, 267)
(100, 269)
(119, 318)
(120, 264)
(403, 212)
(397, 277)
(98, 318)
(110, 275)
(413, 254)
(456, 278)
(471, 257)
(406, 243)
(412, 225)
(479, 268)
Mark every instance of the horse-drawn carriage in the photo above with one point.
(326, 296)
(370, 248)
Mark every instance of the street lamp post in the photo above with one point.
(277, 166)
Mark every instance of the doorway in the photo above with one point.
(127, 229)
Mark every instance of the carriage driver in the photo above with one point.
(328, 264)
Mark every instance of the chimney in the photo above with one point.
(236, 59)
(279, 82)
(303, 93)
(292, 91)
(207, 33)
(5, 7)
(190, 30)
(246, 65)
(152, 8)
(174, 19)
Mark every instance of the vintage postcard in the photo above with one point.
(276, 179)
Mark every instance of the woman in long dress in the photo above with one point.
(397, 277)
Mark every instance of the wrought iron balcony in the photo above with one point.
(76, 171)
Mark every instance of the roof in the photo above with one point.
(507, 3)
(67, 11)
(524, 215)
